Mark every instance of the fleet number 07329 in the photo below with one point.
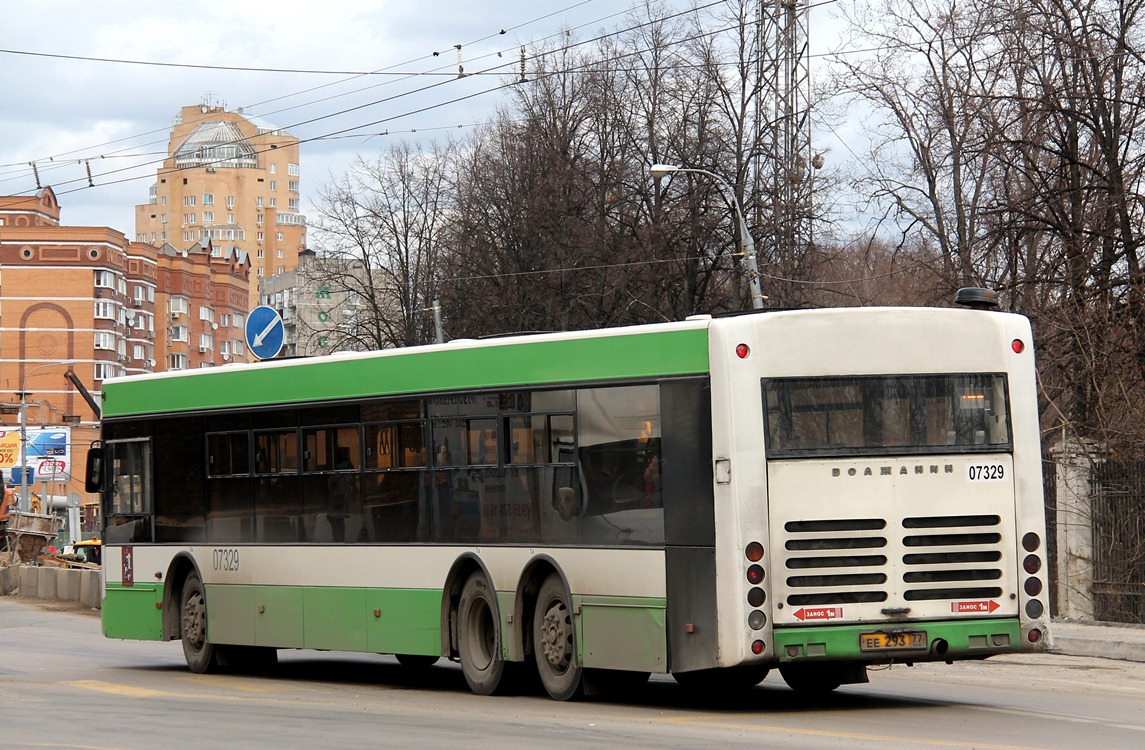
(985, 472)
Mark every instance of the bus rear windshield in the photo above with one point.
(886, 415)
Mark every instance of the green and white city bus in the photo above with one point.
(813, 490)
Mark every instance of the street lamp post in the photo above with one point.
(746, 243)
(24, 503)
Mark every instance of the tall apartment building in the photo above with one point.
(232, 179)
(86, 299)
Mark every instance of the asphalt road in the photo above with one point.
(62, 685)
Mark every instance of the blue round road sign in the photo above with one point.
(264, 332)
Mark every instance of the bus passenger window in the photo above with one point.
(618, 438)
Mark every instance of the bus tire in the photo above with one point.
(197, 648)
(554, 642)
(416, 661)
(479, 636)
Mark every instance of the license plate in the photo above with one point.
(896, 641)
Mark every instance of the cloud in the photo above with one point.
(73, 109)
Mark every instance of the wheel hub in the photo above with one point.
(556, 637)
(194, 623)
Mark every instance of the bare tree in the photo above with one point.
(383, 222)
(1010, 135)
(931, 85)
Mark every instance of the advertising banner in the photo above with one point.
(49, 453)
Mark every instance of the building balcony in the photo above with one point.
(289, 219)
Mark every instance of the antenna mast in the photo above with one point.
(784, 134)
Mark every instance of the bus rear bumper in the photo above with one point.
(885, 643)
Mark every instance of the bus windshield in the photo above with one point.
(886, 415)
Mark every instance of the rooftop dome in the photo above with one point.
(216, 144)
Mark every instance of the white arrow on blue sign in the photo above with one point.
(264, 332)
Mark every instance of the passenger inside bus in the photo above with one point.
(622, 476)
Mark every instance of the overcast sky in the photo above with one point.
(67, 115)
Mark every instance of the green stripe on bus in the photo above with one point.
(132, 612)
(382, 621)
(542, 362)
(964, 638)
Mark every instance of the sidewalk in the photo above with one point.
(1108, 640)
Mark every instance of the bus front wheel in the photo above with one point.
(554, 641)
(479, 636)
(197, 649)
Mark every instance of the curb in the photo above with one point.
(1097, 649)
(1098, 640)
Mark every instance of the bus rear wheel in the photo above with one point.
(197, 648)
(479, 636)
(554, 641)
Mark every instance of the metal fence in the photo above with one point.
(1117, 505)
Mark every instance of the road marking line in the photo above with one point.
(228, 682)
(115, 689)
(1050, 716)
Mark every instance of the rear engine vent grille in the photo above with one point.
(958, 570)
(918, 595)
(846, 560)
(843, 561)
(843, 524)
(841, 597)
(946, 540)
(842, 578)
(951, 558)
(943, 522)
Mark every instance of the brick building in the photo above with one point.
(109, 307)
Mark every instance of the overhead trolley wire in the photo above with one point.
(443, 69)
(415, 91)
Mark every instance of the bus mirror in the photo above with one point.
(565, 503)
(93, 472)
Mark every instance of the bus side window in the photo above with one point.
(129, 501)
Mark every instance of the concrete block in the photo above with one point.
(9, 579)
(47, 578)
(91, 590)
(29, 581)
(69, 587)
